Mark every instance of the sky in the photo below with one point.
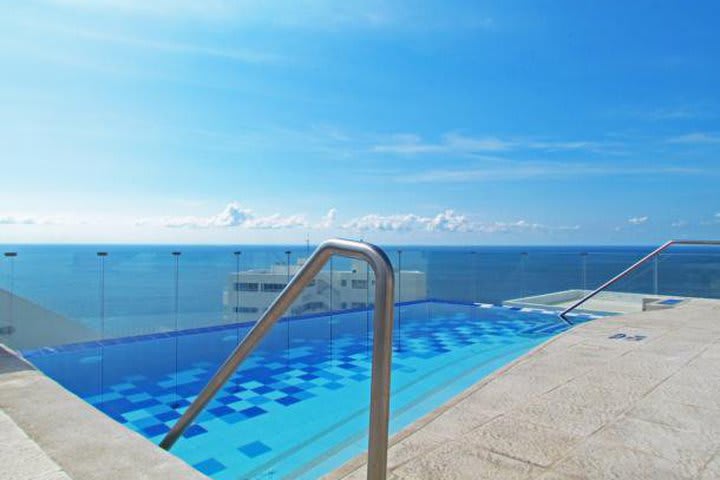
(434, 122)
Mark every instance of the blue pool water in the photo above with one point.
(299, 406)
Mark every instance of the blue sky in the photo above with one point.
(530, 122)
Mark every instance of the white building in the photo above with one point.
(250, 292)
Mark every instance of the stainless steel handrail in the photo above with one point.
(631, 269)
(382, 345)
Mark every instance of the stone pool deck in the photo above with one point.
(585, 405)
(46, 433)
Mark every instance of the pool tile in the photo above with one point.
(254, 449)
(209, 466)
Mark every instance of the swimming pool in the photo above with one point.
(298, 407)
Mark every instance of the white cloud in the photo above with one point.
(454, 143)
(637, 220)
(446, 221)
(14, 220)
(316, 14)
(519, 226)
(374, 222)
(696, 138)
(277, 221)
(568, 145)
(234, 215)
(506, 169)
(328, 220)
(244, 55)
(411, 144)
(714, 220)
(678, 223)
(27, 220)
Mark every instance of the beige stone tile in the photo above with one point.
(361, 474)
(460, 461)
(517, 438)
(505, 392)
(553, 475)
(671, 347)
(698, 375)
(420, 443)
(677, 392)
(596, 397)
(711, 353)
(458, 420)
(630, 386)
(643, 364)
(694, 380)
(20, 457)
(564, 417)
(561, 343)
(711, 470)
(677, 415)
(689, 451)
(705, 365)
(552, 370)
(598, 461)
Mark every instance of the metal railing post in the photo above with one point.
(382, 345)
(655, 273)
(654, 254)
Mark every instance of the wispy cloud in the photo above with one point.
(454, 143)
(14, 220)
(668, 113)
(316, 15)
(235, 54)
(28, 220)
(697, 138)
(411, 144)
(505, 169)
(637, 220)
(521, 226)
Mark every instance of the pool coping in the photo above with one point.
(53, 434)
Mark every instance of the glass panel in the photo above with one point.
(7, 276)
(689, 272)
(500, 274)
(52, 296)
(204, 275)
(140, 291)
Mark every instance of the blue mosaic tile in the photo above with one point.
(254, 449)
(155, 430)
(194, 430)
(287, 401)
(252, 412)
(209, 466)
(220, 411)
